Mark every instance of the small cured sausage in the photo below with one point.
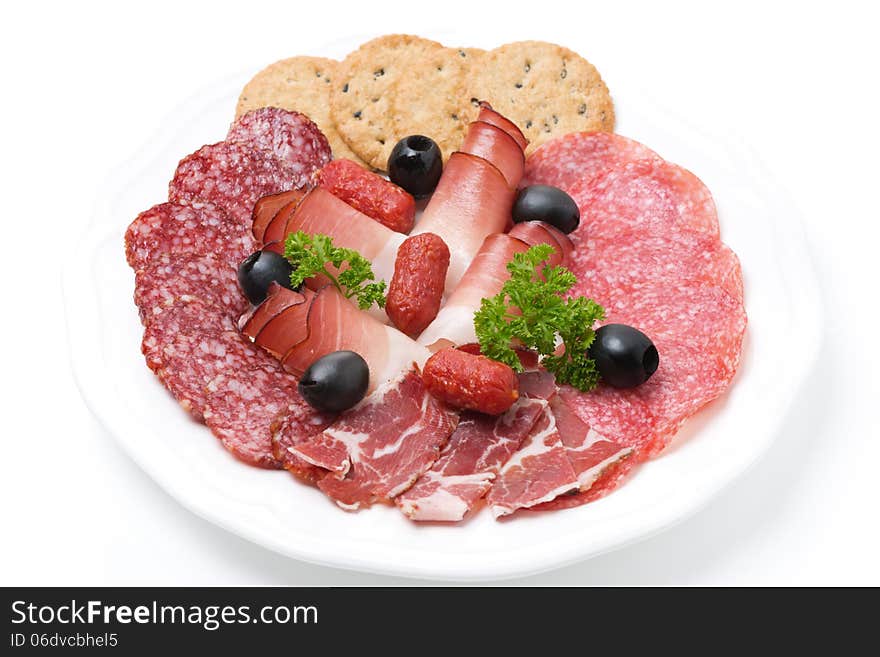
(471, 382)
(230, 175)
(416, 289)
(198, 229)
(369, 193)
(291, 137)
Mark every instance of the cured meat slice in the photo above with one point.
(267, 207)
(198, 229)
(472, 200)
(186, 345)
(379, 448)
(322, 212)
(578, 156)
(496, 146)
(612, 267)
(589, 452)
(484, 278)
(169, 277)
(538, 472)
(490, 116)
(475, 453)
(648, 195)
(249, 398)
(300, 328)
(291, 137)
(230, 175)
(293, 430)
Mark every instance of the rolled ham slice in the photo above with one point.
(322, 212)
(267, 207)
(484, 278)
(300, 328)
(498, 147)
(488, 115)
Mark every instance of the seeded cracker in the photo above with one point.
(302, 84)
(362, 99)
(547, 90)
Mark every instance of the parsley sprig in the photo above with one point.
(533, 311)
(310, 254)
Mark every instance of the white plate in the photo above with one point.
(273, 510)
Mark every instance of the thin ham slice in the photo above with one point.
(489, 115)
(472, 458)
(539, 471)
(322, 212)
(300, 328)
(472, 200)
(484, 278)
(378, 449)
(498, 147)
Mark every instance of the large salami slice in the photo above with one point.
(644, 194)
(233, 176)
(250, 398)
(169, 277)
(291, 137)
(187, 345)
(568, 160)
(199, 228)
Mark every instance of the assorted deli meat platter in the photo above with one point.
(437, 279)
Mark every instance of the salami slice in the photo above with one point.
(568, 160)
(230, 175)
(644, 194)
(187, 345)
(250, 398)
(169, 277)
(609, 268)
(199, 228)
(291, 137)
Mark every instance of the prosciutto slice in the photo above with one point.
(475, 453)
(484, 278)
(378, 449)
(300, 328)
(322, 212)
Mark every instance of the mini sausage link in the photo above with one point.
(472, 382)
(416, 289)
(370, 193)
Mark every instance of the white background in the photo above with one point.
(86, 84)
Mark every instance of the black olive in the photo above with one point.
(335, 382)
(625, 356)
(415, 164)
(549, 204)
(258, 270)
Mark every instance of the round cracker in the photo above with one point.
(433, 101)
(547, 90)
(302, 84)
(361, 101)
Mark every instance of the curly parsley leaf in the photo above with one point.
(310, 256)
(532, 311)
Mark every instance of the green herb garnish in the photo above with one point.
(310, 254)
(532, 310)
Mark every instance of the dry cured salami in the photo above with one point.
(199, 228)
(230, 175)
(291, 137)
(170, 277)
